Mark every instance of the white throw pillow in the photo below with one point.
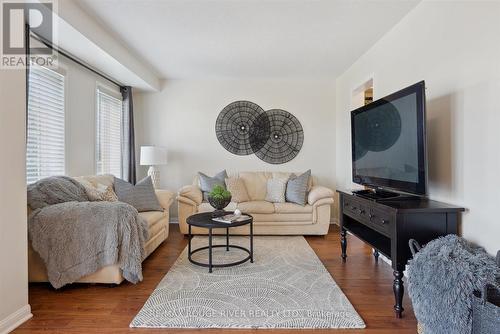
(276, 189)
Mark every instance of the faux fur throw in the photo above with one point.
(76, 238)
(442, 277)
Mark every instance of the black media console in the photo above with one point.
(388, 224)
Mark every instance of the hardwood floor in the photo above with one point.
(83, 308)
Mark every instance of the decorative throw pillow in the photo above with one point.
(98, 191)
(141, 196)
(238, 190)
(207, 183)
(107, 193)
(276, 190)
(296, 188)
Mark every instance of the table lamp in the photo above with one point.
(153, 156)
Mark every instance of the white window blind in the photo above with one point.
(45, 125)
(109, 132)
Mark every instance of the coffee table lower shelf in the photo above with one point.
(204, 220)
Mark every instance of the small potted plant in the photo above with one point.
(219, 198)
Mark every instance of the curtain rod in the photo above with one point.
(73, 58)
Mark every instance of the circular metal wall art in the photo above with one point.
(275, 136)
(242, 127)
(285, 138)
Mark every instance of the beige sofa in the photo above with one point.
(269, 218)
(158, 232)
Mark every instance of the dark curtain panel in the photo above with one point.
(128, 136)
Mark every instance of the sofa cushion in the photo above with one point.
(271, 219)
(256, 184)
(296, 188)
(206, 207)
(238, 190)
(105, 179)
(276, 190)
(141, 196)
(207, 183)
(98, 191)
(292, 208)
(287, 175)
(256, 207)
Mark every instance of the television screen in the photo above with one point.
(388, 141)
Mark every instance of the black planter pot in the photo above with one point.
(218, 205)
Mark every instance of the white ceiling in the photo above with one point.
(248, 38)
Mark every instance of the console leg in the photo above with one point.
(375, 255)
(343, 244)
(399, 291)
(227, 238)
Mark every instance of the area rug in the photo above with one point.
(287, 286)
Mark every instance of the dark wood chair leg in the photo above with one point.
(343, 244)
(399, 291)
(375, 255)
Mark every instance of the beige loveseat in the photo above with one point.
(158, 232)
(269, 218)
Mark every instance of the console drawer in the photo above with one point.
(380, 220)
(357, 209)
(365, 212)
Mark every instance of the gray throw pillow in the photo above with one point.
(142, 196)
(296, 188)
(207, 183)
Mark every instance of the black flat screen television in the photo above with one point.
(389, 142)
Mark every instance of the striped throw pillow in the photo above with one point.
(296, 188)
(142, 196)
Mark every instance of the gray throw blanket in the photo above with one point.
(77, 238)
(442, 277)
(54, 190)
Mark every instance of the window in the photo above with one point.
(45, 124)
(109, 134)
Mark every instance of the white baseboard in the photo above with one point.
(15, 319)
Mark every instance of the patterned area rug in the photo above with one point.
(287, 286)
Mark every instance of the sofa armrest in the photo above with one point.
(165, 197)
(319, 192)
(192, 192)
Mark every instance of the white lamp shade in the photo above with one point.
(153, 155)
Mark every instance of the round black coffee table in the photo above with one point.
(204, 220)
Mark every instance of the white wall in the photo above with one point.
(182, 118)
(14, 308)
(454, 47)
